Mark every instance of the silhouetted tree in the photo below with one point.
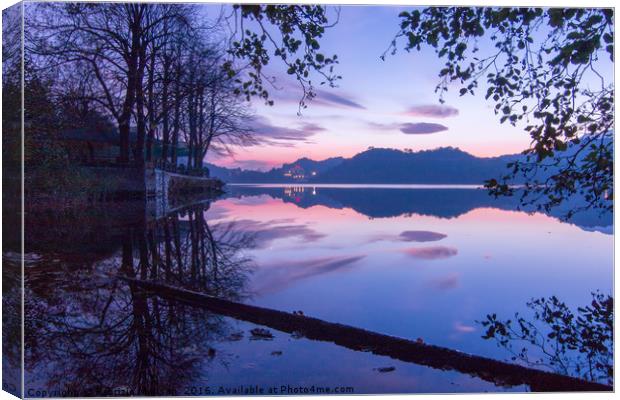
(571, 343)
(154, 67)
(290, 33)
(543, 70)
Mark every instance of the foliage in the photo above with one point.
(290, 33)
(571, 343)
(11, 98)
(49, 170)
(160, 71)
(542, 70)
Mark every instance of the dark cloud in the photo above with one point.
(422, 128)
(432, 111)
(431, 253)
(266, 133)
(421, 236)
(290, 91)
(324, 97)
(410, 128)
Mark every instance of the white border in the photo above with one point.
(524, 3)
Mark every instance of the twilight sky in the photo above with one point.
(389, 103)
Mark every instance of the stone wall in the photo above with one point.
(147, 182)
(183, 184)
(159, 183)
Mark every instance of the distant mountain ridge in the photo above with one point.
(444, 165)
(283, 174)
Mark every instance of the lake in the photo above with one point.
(423, 263)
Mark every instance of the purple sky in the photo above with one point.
(389, 103)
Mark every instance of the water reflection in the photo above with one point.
(400, 200)
(275, 277)
(89, 333)
(265, 232)
(431, 253)
(421, 236)
(11, 322)
(434, 260)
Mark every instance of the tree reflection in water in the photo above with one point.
(11, 322)
(89, 333)
(572, 343)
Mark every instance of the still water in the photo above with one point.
(418, 263)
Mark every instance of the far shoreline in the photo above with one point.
(362, 185)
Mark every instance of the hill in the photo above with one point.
(446, 165)
(441, 166)
(299, 171)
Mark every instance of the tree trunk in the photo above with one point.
(191, 120)
(125, 117)
(132, 77)
(200, 131)
(165, 117)
(151, 108)
(138, 153)
(177, 110)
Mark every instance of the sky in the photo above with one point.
(377, 103)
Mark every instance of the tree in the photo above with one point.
(290, 33)
(114, 41)
(11, 103)
(571, 343)
(217, 115)
(540, 71)
(144, 66)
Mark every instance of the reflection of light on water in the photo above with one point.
(292, 191)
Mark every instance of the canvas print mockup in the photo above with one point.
(211, 199)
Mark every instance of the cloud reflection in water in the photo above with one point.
(277, 276)
(431, 253)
